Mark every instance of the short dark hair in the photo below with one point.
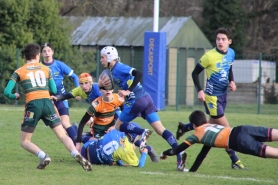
(30, 51)
(45, 45)
(225, 31)
(198, 118)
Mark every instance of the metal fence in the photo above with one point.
(255, 75)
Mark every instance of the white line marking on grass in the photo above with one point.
(217, 177)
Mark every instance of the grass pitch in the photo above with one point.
(18, 167)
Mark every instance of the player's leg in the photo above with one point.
(263, 134)
(271, 152)
(255, 137)
(52, 120)
(182, 128)
(26, 143)
(150, 114)
(274, 135)
(124, 126)
(215, 106)
(31, 117)
(220, 120)
(134, 138)
(62, 107)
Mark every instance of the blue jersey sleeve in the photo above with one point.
(69, 72)
(75, 79)
(142, 160)
(122, 75)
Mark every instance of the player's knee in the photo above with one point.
(59, 130)
(118, 124)
(217, 117)
(153, 117)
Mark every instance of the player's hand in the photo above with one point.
(78, 97)
(17, 95)
(78, 147)
(90, 121)
(162, 156)
(123, 93)
(144, 150)
(232, 86)
(110, 128)
(103, 82)
(201, 96)
(54, 98)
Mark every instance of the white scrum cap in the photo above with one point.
(110, 52)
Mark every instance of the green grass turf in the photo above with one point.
(18, 167)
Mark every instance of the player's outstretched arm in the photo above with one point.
(201, 156)
(52, 87)
(61, 97)
(175, 151)
(143, 158)
(83, 121)
(75, 79)
(8, 90)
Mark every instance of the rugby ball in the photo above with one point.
(107, 79)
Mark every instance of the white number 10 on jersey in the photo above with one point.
(37, 78)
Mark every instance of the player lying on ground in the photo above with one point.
(103, 110)
(133, 138)
(113, 148)
(244, 139)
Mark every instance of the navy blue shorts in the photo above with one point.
(62, 107)
(142, 107)
(249, 139)
(215, 105)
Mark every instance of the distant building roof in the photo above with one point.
(129, 31)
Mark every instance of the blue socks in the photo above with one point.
(138, 142)
(169, 137)
(232, 155)
(71, 133)
(171, 140)
(130, 128)
(188, 127)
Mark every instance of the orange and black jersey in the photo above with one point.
(102, 111)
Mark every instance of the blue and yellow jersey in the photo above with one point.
(88, 96)
(115, 146)
(217, 66)
(210, 135)
(58, 70)
(122, 77)
(126, 153)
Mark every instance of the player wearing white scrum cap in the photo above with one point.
(111, 53)
(138, 101)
